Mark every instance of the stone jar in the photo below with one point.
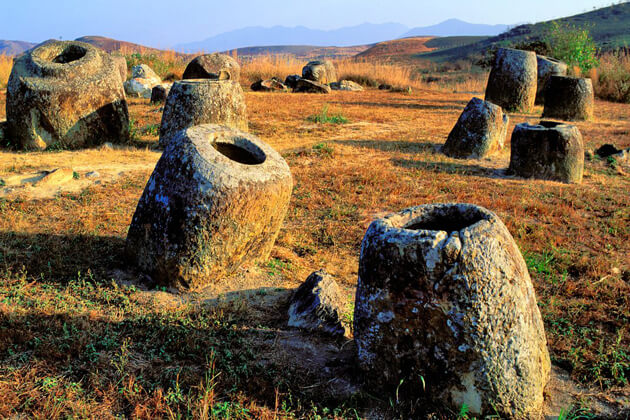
(444, 299)
(66, 94)
(513, 80)
(216, 200)
(203, 101)
(549, 150)
(213, 66)
(569, 99)
(479, 131)
(547, 67)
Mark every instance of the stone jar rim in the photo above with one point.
(545, 125)
(205, 139)
(436, 219)
(85, 65)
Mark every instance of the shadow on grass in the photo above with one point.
(391, 145)
(60, 257)
(450, 168)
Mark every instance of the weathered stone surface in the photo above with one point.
(348, 85)
(317, 305)
(3, 130)
(308, 86)
(68, 94)
(213, 66)
(269, 85)
(480, 131)
(513, 80)
(56, 177)
(203, 101)
(291, 81)
(550, 150)
(216, 199)
(569, 99)
(547, 67)
(321, 71)
(444, 299)
(159, 93)
(143, 71)
(121, 63)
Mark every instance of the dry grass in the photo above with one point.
(6, 64)
(75, 343)
(612, 77)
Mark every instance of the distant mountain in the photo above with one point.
(366, 33)
(14, 47)
(305, 52)
(456, 27)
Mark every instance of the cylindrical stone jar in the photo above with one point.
(513, 80)
(203, 101)
(547, 67)
(569, 99)
(216, 199)
(549, 150)
(446, 310)
(66, 94)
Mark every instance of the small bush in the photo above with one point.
(571, 44)
(612, 79)
(324, 118)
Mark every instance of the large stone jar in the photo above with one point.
(66, 94)
(444, 299)
(569, 99)
(513, 80)
(549, 150)
(216, 199)
(213, 66)
(547, 67)
(203, 101)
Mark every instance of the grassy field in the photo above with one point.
(80, 336)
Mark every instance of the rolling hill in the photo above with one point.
(14, 47)
(609, 27)
(397, 47)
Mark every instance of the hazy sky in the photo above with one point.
(164, 23)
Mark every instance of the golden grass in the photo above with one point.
(6, 64)
(612, 78)
(76, 330)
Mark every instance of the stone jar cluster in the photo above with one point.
(66, 94)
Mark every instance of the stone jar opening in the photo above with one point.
(240, 151)
(447, 219)
(67, 55)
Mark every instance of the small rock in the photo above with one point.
(348, 85)
(57, 177)
(142, 71)
(291, 81)
(107, 146)
(269, 85)
(384, 86)
(309, 86)
(607, 150)
(317, 305)
(406, 90)
(93, 174)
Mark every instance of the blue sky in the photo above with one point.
(164, 23)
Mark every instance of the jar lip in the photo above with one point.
(435, 218)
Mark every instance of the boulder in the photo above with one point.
(269, 85)
(143, 80)
(320, 71)
(308, 86)
(159, 93)
(67, 94)
(513, 80)
(348, 85)
(203, 101)
(121, 63)
(480, 131)
(444, 299)
(213, 66)
(547, 67)
(216, 200)
(549, 150)
(317, 305)
(291, 81)
(569, 99)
